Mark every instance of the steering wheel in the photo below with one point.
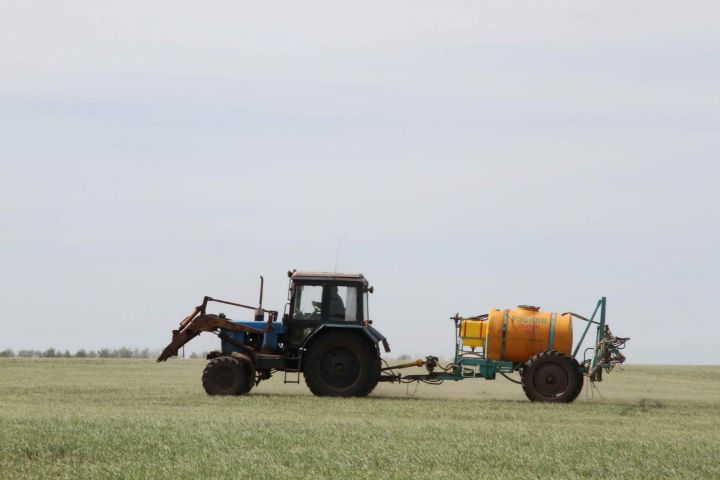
(318, 307)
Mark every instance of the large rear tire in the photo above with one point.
(552, 377)
(226, 375)
(374, 377)
(341, 364)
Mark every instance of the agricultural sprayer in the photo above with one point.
(326, 334)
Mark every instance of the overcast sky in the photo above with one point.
(462, 155)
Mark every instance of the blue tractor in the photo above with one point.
(325, 334)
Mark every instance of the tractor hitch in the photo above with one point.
(430, 363)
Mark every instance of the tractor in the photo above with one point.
(326, 335)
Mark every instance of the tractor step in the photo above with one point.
(292, 380)
(292, 362)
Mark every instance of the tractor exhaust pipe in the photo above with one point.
(259, 312)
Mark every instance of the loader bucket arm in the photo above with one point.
(196, 323)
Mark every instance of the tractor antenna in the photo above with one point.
(337, 252)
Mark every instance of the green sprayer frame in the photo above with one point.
(471, 364)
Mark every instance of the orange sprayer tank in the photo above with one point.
(516, 335)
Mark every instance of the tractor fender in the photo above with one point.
(368, 332)
(248, 361)
(380, 337)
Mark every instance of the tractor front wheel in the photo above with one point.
(226, 375)
(552, 377)
(341, 364)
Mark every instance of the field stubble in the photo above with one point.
(95, 418)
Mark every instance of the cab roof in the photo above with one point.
(346, 277)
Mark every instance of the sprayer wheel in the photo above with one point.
(580, 384)
(552, 377)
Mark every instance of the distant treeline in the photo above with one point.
(102, 353)
(118, 353)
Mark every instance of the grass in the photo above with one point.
(95, 418)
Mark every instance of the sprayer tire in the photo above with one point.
(552, 377)
(580, 384)
(341, 364)
(226, 375)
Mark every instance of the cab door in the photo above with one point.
(308, 310)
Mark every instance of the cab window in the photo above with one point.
(308, 302)
(343, 304)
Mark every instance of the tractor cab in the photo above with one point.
(321, 298)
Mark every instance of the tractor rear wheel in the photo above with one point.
(374, 377)
(552, 377)
(341, 364)
(226, 375)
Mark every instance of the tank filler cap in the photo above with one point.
(529, 307)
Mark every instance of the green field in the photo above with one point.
(94, 418)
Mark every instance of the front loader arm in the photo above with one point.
(196, 323)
